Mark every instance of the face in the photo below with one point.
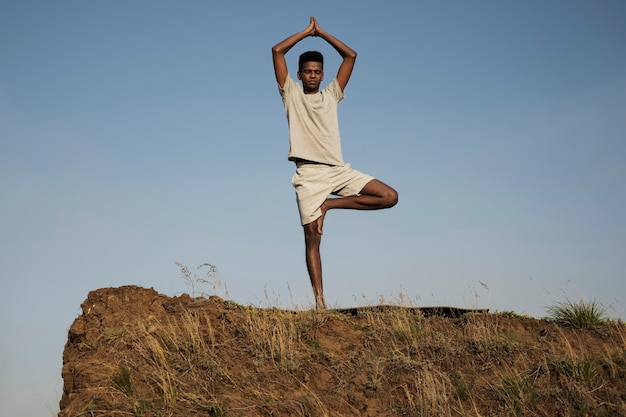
(311, 76)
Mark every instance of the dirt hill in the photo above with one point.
(134, 352)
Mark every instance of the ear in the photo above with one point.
(299, 75)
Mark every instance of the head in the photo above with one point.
(311, 71)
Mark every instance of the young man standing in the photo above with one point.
(315, 146)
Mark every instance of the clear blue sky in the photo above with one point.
(137, 134)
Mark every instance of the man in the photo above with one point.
(315, 146)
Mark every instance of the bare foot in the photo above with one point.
(320, 304)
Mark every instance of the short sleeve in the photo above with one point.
(287, 88)
(335, 90)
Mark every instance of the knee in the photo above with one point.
(311, 237)
(391, 197)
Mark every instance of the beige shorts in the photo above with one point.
(315, 182)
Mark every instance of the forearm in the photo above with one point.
(344, 50)
(284, 46)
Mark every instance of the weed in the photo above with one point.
(275, 338)
(320, 353)
(217, 411)
(581, 370)
(372, 384)
(460, 386)
(581, 315)
(512, 315)
(517, 393)
(114, 333)
(193, 280)
(123, 382)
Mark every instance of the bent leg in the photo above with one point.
(375, 195)
(312, 240)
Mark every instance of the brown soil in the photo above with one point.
(134, 352)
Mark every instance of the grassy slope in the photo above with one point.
(134, 352)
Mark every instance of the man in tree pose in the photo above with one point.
(315, 146)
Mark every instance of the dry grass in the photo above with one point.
(190, 357)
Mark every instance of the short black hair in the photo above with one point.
(309, 56)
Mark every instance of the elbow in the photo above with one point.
(276, 50)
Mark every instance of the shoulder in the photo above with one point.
(290, 85)
(334, 89)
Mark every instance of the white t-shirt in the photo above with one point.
(313, 122)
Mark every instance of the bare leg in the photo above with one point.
(312, 241)
(375, 195)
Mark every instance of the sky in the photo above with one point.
(134, 135)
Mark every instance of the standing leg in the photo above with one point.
(312, 239)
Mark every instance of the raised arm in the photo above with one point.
(347, 53)
(281, 48)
